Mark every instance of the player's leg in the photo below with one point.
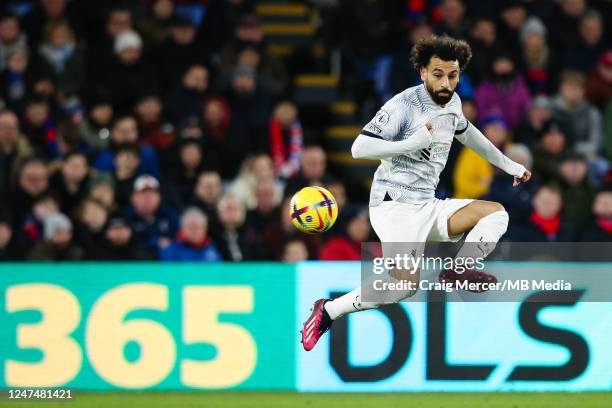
(397, 225)
(486, 222)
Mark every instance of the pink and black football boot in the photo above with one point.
(317, 324)
(472, 276)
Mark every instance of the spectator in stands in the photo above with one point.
(118, 20)
(504, 93)
(370, 48)
(253, 169)
(9, 248)
(313, 166)
(154, 26)
(186, 97)
(472, 175)
(485, 47)
(11, 38)
(89, 228)
(127, 163)
(295, 251)
(43, 14)
(216, 120)
(14, 150)
(95, 126)
(70, 182)
(129, 77)
(120, 244)
(102, 191)
(270, 70)
(125, 131)
(545, 223)
(193, 242)
(599, 81)
(250, 106)
(193, 161)
(236, 243)
(530, 128)
(576, 190)
(454, 21)
(247, 32)
(286, 139)
(513, 18)
(33, 180)
(403, 75)
(40, 129)
(207, 192)
(58, 244)
(266, 212)
(346, 246)
(151, 221)
(608, 131)
(62, 58)
(16, 80)
(181, 50)
(31, 229)
(516, 200)
(590, 44)
(564, 23)
(600, 228)
(549, 152)
(153, 128)
(541, 63)
(580, 121)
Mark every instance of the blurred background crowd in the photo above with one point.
(179, 129)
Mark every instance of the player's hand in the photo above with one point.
(523, 179)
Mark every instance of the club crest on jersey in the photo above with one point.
(382, 118)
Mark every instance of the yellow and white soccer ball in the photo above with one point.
(313, 210)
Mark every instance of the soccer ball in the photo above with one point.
(313, 210)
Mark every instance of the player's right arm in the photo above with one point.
(375, 141)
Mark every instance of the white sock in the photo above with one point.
(488, 231)
(352, 301)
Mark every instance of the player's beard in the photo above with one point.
(437, 97)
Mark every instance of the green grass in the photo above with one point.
(331, 400)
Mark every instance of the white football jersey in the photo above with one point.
(413, 177)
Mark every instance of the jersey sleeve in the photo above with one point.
(387, 124)
(462, 125)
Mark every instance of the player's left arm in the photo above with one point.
(474, 139)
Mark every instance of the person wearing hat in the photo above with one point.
(599, 82)
(120, 244)
(473, 174)
(129, 77)
(540, 62)
(152, 222)
(58, 244)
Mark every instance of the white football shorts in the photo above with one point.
(401, 222)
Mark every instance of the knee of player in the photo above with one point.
(497, 207)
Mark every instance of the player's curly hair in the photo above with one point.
(443, 47)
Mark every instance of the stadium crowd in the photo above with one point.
(160, 129)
